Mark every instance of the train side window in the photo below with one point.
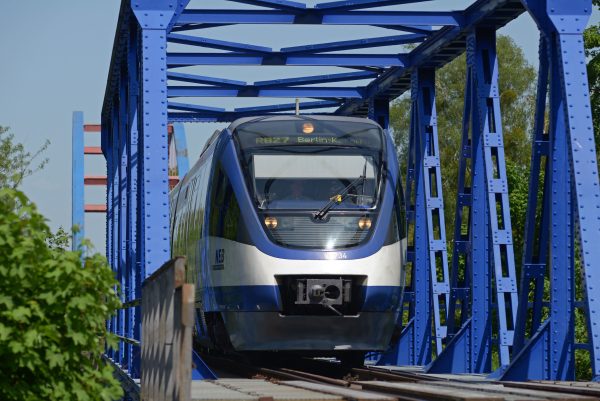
(216, 201)
(401, 207)
(232, 215)
(224, 208)
(397, 227)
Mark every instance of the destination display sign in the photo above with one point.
(286, 133)
(311, 140)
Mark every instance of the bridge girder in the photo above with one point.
(139, 102)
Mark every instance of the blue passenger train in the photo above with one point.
(293, 227)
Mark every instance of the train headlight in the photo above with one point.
(308, 128)
(271, 222)
(364, 223)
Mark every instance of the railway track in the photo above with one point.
(371, 383)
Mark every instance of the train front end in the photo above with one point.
(321, 210)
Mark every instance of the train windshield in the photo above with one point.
(299, 169)
(306, 181)
(304, 164)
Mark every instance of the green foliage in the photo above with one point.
(52, 313)
(591, 41)
(60, 240)
(15, 162)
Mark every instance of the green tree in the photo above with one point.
(15, 162)
(591, 41)
(52, 312)
(517, 101)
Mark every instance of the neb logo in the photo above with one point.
(220, 256)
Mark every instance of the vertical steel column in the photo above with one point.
(422, 320)
(153, 200)
(535, 253)
(183, 165)
(577, 119)
(491, 253)
(572, 192)
(379, 111)
(497, 194)
(108, 154)
(428, 257)
(415, 344)
(124, 347)
(77, 185)
(116, 212)
(403, 351)
(460, 295)
(133, 271)
(434, 202)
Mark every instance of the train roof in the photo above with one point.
(311, 117)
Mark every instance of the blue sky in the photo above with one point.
(55, 58)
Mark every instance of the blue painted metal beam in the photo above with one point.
(423, 30)
(288, 107)
(428, 260)
(316, 79)
(181, 5)
(133, 173)
(77, 185)
(197, 113)
(533, 270)
(194, 108)
(154, 243)
(193, 27)
(347, 5)
(217, 44)
(558, 359)
(204, 80)
(321, 92)
(356, 44)
(490, 260)
(434, 203)
(571, 199)
(442, 47)
(322, 17)
(224, 118)
(341, 60)
(122, 177)
(277, 4)
(214, 111)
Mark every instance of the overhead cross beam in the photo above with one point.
(278, 58)
(196, 113)
(252, 91)
(358, 4)
(356, 44)
(316, 17)
(277, 4)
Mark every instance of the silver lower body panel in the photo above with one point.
(271, 331)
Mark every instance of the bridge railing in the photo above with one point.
(163, 343)
(167, 324)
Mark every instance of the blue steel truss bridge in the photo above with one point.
(173, 61)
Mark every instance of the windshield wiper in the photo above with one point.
(339, 198)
